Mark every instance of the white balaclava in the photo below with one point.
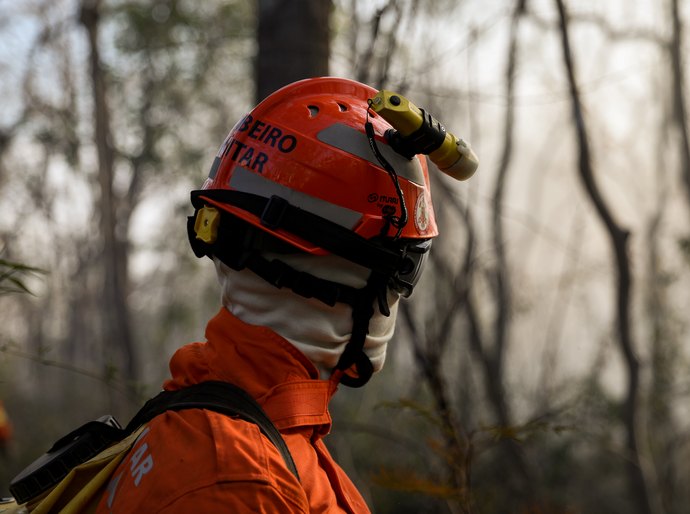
(318, 330)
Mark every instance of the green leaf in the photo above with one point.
(12, 274)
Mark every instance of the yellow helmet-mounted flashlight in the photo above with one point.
(417, 132)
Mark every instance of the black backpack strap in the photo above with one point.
(90, 439)
(221, 397)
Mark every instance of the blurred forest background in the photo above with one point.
(541, 366)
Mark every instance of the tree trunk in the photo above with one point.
(117, 335)
(679, 107)
(294, 42)
(619, 237)
(493, 358)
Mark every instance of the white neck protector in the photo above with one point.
(318, 330)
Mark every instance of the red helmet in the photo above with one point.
(307, 143)
(305, 151)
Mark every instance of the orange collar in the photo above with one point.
(282, 379)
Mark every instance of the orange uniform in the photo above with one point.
(199, 461)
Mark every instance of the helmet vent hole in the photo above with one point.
(342, 107)
(313, 111)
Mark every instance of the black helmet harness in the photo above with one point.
(395, 263)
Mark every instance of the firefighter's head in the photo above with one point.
(300, 187)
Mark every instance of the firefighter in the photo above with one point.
(317, 227)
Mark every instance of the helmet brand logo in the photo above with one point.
(386, 203)
(382, 199)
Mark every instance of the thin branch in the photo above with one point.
(618, 236)
(458, 447)
(107, 377)
(612, 33)
(679, 106)
(365, 65)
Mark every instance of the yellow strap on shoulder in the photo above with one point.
(81, 490)
(9, 506)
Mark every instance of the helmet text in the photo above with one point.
(245, 155)
(268, 134)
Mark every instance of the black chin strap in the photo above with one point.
(362, 312)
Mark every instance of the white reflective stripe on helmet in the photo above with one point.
(249, 182)
(355, 142)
